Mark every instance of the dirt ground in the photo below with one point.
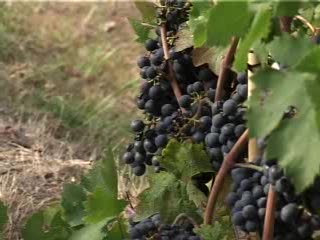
(57, 61)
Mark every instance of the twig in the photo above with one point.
(173, 80)
(305, 22)
(270, 214)
(226, 64)
(185, 216)
(227, 164)
(249, 166)
(285, 23)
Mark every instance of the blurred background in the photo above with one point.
(68, 81)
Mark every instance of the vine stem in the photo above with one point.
(226, 65)
(172, 78)
(285, 23)
(227, 164)
(305, 22)
(268, 227)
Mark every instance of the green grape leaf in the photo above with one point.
(73, 197)
(34, 227)
(142, 31)
(103, 175)
(266, 109)
(198, 18)
(147, 10)
(166, 195)
(92, 231)
(101, 204)
(286, 8)
(217, 231)
(185, 159)
(38, 228)
(195, 195)
(259, 29)
(118, 230)
(269, 101)
(227, 19)
(288, 50)
(261, 52)
(311, 62)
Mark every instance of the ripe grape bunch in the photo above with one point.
(249, 197)
(154, 228)
(192, 114)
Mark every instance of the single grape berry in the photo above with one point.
(139, 170)
(218, 121)
(289, 213)
(151, 72)
(143, 62)
(128, 157)
(238, 219)
(239, 130)
(185, 101)
(198, 87)
(151, 45)
(161, 140)
(242, 89)
(242, 78)
(198, 137)
(212, 140)
(155, 92)
(229, 107)
(167, 109)
(137, 125)
(250, 212)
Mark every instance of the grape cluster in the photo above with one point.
(228, 122)
(248, 201)
(164, 118)
(154, 228)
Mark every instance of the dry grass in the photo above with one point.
(69, 70)
(34, 166)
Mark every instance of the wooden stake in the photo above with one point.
(254, 64)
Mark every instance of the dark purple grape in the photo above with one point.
(151, 44)
(137, 125)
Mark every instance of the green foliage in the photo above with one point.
(198, 21)
(288, 50)
(259, 29)
(286, 8)
(166, 195)
(3, 218)
(101, 204)
(103, 175)
(270, 100)
(141, 30)
(227, 19)
(39, 227)
(218, 231)
(73, 198)
(147, 10)
(92, 231)
(195, 195)
(185, 159)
